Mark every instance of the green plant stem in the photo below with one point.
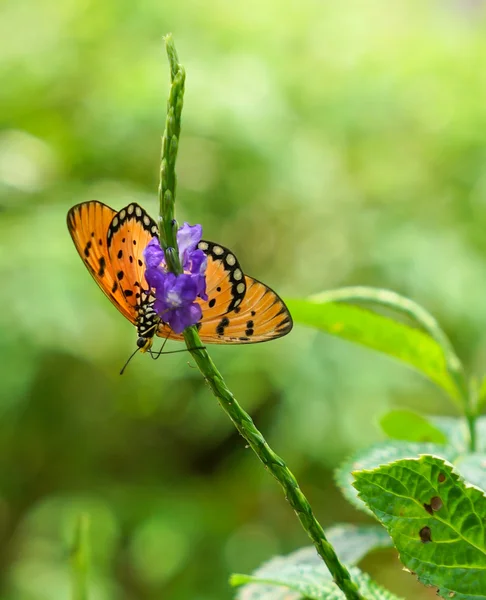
(170, 145)
(471, 423)
(80, 559)
(472, 413)
(240, 418)
(273, 463)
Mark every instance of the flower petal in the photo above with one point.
(180, 318)
(188, 237)
(184, 289)
(155, 277)
(153, 253)
(198, 261)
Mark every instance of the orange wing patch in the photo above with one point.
(239, 309)
(129, 232)
(88, 224)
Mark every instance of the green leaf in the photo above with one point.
(351, 543)
(410, 426)
(456, 431)
(427, 350)
(436, 521)
(473, 468)
(299, 580)
(380, 454)
(308, 583)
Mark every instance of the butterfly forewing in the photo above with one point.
(129, 232)
(88, 224)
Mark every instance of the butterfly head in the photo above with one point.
(145, 343)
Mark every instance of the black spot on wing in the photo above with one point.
(101, 270)
(221, 325)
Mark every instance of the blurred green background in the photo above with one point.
(327, 144)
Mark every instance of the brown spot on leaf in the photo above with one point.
(436, 503)
(428, 508)
(425, 535)
(441, 478)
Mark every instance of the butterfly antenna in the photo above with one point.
(129, 359)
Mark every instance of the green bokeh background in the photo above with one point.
(327, 144)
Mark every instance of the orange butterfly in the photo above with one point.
(239, 309)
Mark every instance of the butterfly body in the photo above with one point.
(239, 309)
(148, 322)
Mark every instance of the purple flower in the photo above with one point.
(175, 295)
(153, 254)
(175, 301)
(188, 237)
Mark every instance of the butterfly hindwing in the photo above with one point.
(88, 224)
(239, 309)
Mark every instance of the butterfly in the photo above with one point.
(239, 309)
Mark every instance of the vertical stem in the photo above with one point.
(227, 401)
(472, 413)
(277, 467)
(471, 423)
(80, 559)
(170, 145)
